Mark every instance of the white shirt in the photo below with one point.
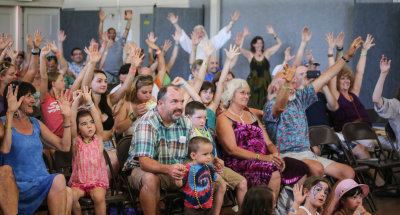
(217, 42)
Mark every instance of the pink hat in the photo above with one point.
(346, 185)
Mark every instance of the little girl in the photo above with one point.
(199, 177)
(89, 173)
(349, 196)
(314, 191)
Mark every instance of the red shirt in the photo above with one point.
(52, 117)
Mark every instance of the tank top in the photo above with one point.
(308, 212)
(109, 123)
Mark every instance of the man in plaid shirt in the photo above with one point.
(159, 148)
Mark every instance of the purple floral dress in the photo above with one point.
(257, 172)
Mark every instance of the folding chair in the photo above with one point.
(323, 135)
(392, 140)
(374, 117)
(382, 163)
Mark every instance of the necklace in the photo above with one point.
(240, 116)
(195, 189)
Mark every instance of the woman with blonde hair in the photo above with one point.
(138, 101)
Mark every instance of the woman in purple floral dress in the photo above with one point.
(247, 148)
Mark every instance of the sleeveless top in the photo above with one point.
(308, 212)
(109, 123)
(349, 112)
(131, 128)
(258, 80)
(88, 164)
(211, 119)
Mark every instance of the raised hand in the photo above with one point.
(235, 16)
(305, 35)
(208, 49)
(195, 38)
(137, 58)
(102, 16)
(289, 72)
(331, 40)
(177, 35)
(356, 44)
(53, 46)
(172, 18)
(3, 42)
(299, 197)
(45, 51)
(246, 31)
(38, 39)
(29, 41)
(13, 103)
(87, 95)
(270, 30)
(93, 53)
(309, 56)
(385, 65)
(238, 39)
(128, 15)
(178, 81)
(166, 46)
(151, 37)
(61, 36)
(77, 96)
(339, 40)
(65, 104)
(104, 37)
(152, 45)
(233, 51)
(10, 52)
(368, 43)
(288, 57)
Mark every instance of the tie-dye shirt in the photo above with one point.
(289, 132)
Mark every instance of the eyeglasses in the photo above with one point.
(4, 66)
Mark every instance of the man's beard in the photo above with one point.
(175, 117)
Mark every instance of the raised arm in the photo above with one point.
(360, 69)
(174, 21)
(94, 56)
(273, 49)
(195, 42)
(150, 55)
(331, 60)
(331, 45)
(377, 95)
(28, 56)
(332, 103)
(78, 81)
(61, 39)
(208, 49)
(234, 18)
(339, 45)
(189, 91)
(96, 115)
(118, 94)
(64, 143)
(335, 69)
(5, 41)
(305, 38)
(282, 99)
(102, 17)
(30, 75)
(13, 105)
(233, 51)
(76, 101)
(161, 61)
(174, 54)
(239, 43)
(43, 73)
(128, 17)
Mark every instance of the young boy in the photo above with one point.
(198, 182)
(197, 113)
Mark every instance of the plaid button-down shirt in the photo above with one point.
(167, 145)
(75, 68)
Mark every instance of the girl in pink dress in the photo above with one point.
(89, 173)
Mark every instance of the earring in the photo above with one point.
(16, 114)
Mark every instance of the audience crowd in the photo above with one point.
(203, 136)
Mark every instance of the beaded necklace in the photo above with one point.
(195, 189)
(237, 115)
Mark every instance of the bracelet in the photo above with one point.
(132, 117)
(105, 53)
(66, 126)
(35, 52)
(8, 127)
(103, 45)
(4, 54)
(275, 36)
(345, 59)
(205, 63)
(330, 55)
(132, 70)
(90, 105)
(339, 49)
(293, 211)
(183, 84)
(363, 53)
(158, 52)
(285, 87)
(231, 22)
(193, 49)
(58, 54)
(176, 44)
(257, 156)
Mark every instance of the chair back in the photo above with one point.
(62, 159)
(374, 117)
(358, 131)
(322, 135)
(390, 133)
(123, 149)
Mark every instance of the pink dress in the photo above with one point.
(88, 166)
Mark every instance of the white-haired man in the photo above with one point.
(217, 40)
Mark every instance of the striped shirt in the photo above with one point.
(167, 145)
